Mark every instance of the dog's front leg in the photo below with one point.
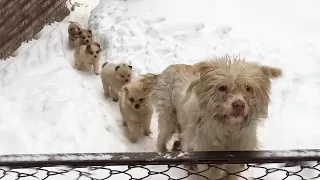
(133, 130)
(87, 65)
(96, 67)
(146, 125)
(114, 95)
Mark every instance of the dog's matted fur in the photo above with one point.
(113, 77)
(222, 109)
(136, 106)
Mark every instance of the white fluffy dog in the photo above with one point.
(113, 77)
(227, 98)
(87, 56)
(136, 106)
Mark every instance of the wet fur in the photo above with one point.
(180, 94)
(88, 56)
(136, 107)
(113, 77)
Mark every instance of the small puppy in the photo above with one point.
(85, 37)
(136, 107)
(217, 109)
(113, 77)
(74, 31)
(87, 56)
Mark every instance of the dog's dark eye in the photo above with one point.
(222, 88)
(97, 52)
(131, 99)
(91, 52)
(248, 88)
(128, 75)
(122, 76)
(89, 36)
(141, 99)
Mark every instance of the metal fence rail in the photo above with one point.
(293, 164)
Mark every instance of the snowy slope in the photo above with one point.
(49, 107)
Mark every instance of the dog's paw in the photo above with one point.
(133, 139)
(147, 132)
(191, 167)
(97, 74)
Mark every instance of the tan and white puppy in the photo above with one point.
(74, 31)
(222, 109)
(136, 107)
(87, 56)
(113, 77)
(85, 37)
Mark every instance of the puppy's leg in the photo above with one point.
(146, 125)
(167, 126)
(78, 64)
(96, 67)
(133, 130)
(114, 95)
(105, 88)
(87, 65)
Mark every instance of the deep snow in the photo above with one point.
(49, 107)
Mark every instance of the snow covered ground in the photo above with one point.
(49, 107)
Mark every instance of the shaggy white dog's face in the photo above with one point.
(235, 92)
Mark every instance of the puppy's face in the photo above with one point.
(123, 73)
(94, 50)
(86, 36)
(134, 96)
(74, 31)
(235, 91)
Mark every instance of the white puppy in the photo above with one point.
(113, 77)
(87, 56)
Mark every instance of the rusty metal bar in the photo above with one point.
(154, 158)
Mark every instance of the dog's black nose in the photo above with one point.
(87, 40)
(95, 56)
(127, 80)
(137, 106)
(238, 105)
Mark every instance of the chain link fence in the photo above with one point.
(273, 165)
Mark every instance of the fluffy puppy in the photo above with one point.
(74, 31)
(85, 37)
(221, 110)
(136, 107)
(87, 56)
(113, 77)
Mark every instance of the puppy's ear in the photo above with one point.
(97, 44)
(125, 90)
(271, 72)
(90, 32)
(130, 66)
(117, 67)
(88, 48)
(80, 32)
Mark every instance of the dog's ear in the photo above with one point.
(97, 44)
(117, 67)
(125, 90)
(80, 32)
(271, 72)
(88, 49)
(90, 32)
